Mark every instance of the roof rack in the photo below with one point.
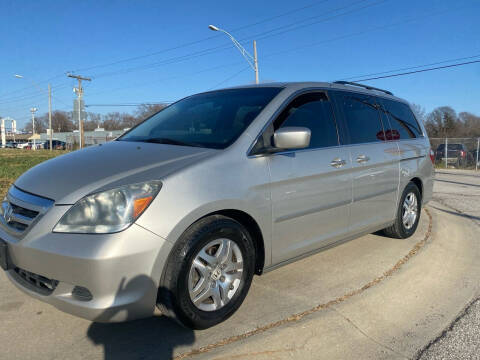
(368, 87)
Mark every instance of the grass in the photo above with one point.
(14, 162)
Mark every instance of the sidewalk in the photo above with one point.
(395, 318)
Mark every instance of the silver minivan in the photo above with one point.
(182, 210)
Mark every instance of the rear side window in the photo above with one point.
(361, 118)
(313, 111)
(402, 121)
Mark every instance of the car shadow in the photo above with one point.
(457, 182)
(151, 338)
(458, 213)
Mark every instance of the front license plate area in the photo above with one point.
(4, 263)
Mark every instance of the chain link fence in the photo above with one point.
(458, 153)
(72, 140)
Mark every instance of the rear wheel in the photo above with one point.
(408, 213)
(208, 273)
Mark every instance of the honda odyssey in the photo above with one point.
(182, 210)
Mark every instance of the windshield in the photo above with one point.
(213, 120)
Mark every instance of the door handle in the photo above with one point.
(362, 159)
(337, 162)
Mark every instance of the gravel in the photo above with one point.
(461, 340)
(461, 192)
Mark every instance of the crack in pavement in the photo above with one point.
(297, 317)
(368, 336)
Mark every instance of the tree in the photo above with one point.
(40, 124)
(62, 121)
(146, 110)
(442, 122)
(420, 112)
(470, 124)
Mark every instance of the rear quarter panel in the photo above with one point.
(415, 163)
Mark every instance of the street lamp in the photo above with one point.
(33, 110)
(49, 108)
(252, 60)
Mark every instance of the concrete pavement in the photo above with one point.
(372, 297)
(460, 191)
(395, 318)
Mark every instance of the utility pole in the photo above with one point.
(255, 60)
(50, 114)
(33, 110)
(79, 91)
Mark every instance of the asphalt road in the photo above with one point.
(459, 190)
(372, 297)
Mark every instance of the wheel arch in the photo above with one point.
(253, 228)
(417, 181)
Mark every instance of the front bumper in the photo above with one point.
(121, 271)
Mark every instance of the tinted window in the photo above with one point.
(402, 121)
(361, 118)
(312, 111)
(214, 120)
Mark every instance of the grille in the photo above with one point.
(20, 209)
(35, 282)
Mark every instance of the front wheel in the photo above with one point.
(408, 213)
(208, 273)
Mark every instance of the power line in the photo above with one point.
(316, 3)
(132, 104)
(383, 27)
(228, 78)
(190, 43)
(262, 35)
(413, 67)
(423, 70)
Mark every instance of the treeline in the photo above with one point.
(441, 122)
(445, 122)
(63, 121)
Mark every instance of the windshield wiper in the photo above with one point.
(170, 142)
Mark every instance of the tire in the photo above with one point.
(175, 293)
(399, 229)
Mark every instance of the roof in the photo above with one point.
(298, 85)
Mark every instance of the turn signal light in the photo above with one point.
(139, 205)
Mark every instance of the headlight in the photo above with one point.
(109, 211)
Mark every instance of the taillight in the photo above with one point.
(432, 156)
(462, 153)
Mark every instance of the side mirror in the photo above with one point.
(292, 138)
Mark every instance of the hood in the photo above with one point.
(69, 177)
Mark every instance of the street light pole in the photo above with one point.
(252, 60)
(50, 115)
(49, 105)
(33, 110)
(255, 60)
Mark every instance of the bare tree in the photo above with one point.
(146, 110)
(420, 112)
(62, 121)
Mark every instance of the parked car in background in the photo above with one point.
(182, 210)
(456, 155)
(10, 145)
(23, 145)
(36, 145)
(56, 145)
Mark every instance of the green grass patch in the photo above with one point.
(14, 162)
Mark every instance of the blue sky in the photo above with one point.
(302, 40)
